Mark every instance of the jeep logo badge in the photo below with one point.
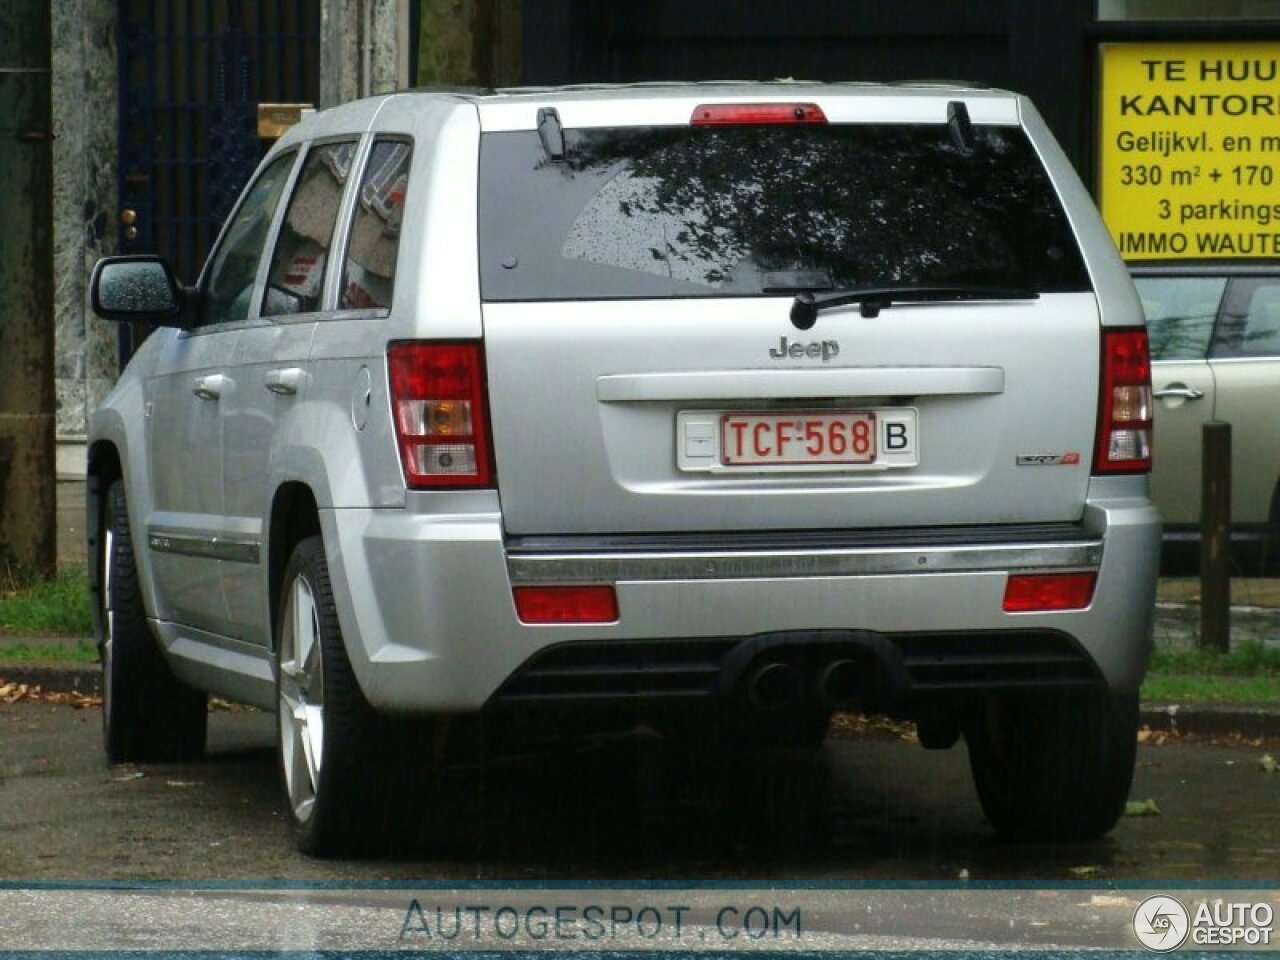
(826, 350)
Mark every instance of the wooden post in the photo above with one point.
(1215, 538)
(28, 533)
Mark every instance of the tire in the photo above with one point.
(353, 779)
(1053, 767)
(148, 714)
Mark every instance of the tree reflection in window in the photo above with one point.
(718, 210)
(1180, 314)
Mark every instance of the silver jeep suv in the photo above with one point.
(714, 408)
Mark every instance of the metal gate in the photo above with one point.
(192, 74)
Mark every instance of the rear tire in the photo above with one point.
(1053, 767)
(353, 778)
(148, 714)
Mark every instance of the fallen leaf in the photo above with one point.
(1268, 763)
(1154, 737)
(132, 775)
(12, 691)
(1141, 808)
(183, 783)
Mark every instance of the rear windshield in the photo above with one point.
(752, 210)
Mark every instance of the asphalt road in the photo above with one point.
(865, 807)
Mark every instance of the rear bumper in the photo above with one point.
(425, 603)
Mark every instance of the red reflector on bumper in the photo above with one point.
(1034, 592)
(566, 604)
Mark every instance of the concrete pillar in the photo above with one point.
(363, 50)
(84, 204)
(365, 47)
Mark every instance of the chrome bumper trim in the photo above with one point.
(742, 565)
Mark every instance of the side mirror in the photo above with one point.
(142, 288)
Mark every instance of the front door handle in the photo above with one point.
(1178, 391)
(210, 387)
(284, 382)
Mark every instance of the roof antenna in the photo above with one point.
(960, 125)
(551, 133)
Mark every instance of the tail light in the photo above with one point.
(1038, 592)
(719, 114)
(1124, 407)
(442, 422)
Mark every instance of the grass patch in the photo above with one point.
(56, 607)
(1248, 673)
(1209, 688)
(1245, 660)
(82, 652)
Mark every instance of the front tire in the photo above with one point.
(1053, 767)
(148, 714)
(352, 778)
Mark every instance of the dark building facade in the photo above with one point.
(1047, 49)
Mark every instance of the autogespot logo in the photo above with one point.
(1161, 924)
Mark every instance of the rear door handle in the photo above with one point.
(210, 387)
(1178, 391)
(285, 381)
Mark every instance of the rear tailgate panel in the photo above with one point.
(997, 388)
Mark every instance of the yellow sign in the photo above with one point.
(1190, 149)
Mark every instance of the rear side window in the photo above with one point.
(1180, 314)
(750, 210)
(369, 276)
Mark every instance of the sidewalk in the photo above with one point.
(1255, 616)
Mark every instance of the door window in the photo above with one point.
(369, 275)
(296, 281)
(1250, 325)
(1180, 313)
(234, 266)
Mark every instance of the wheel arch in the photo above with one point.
(295, 516)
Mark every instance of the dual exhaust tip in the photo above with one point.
(777, 684)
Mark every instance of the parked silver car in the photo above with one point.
(716, 408)
(1215, 345)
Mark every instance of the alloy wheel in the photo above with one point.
(301, 699)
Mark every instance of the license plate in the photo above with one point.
(755, 439)
(805, 440)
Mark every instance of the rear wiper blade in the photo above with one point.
(873, 299)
